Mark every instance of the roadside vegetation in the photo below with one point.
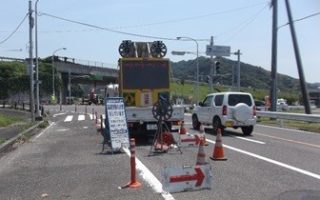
(8, 120)
(305, 126)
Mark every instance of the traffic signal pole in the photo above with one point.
(212, 68)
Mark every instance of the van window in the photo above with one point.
(234, 99)
(218, 100)
(207, 101)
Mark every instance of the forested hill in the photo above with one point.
(251, 76)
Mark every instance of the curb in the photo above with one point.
(9, 142)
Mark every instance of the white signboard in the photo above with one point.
(218, 50)
(117, 123)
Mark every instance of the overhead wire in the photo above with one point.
(116, 30)
(105, 28)
(194, 17)
(244, 24)
(303, 18)
(15, 30)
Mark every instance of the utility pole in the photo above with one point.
(31, 62)
(37, 61)
(274, 85)
(304, 90)
(238, 69)
(212, 68)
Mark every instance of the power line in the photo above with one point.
(194, 17)
(104, 28)
(244, 24)
(109, 29)
(15, 30)
(303, 18)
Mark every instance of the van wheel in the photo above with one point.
(195, 122)
(216, 124)
(247, 130)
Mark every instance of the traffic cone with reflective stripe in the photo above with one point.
(201, 157)
(133, 183)
(218, 153)
(203, 134)
(182, 130)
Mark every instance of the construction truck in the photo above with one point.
(144, 79)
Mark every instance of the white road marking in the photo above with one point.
(302, 171)
(58, 114)
(62, 130)
(41, 133)
(150, 178)
(85, 127)
(289, 140)
(91, 116)
(81, 117)
(68, 118)
(250, 140)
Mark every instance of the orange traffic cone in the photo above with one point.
(182, 130)
(203, 134)
(201, 157)
(218, 153)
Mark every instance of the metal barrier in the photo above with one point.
(290, 116)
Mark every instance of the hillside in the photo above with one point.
(251, 76)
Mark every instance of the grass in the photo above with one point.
(2, 140)
(305, 126)
(8, 120)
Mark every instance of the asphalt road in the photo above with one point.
(64, 162)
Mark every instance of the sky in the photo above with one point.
(241, 24)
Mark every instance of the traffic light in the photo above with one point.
(217, 64)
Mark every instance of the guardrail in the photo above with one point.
(19, 105)
(290, 116)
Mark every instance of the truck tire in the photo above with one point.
(247, 130)
(195, 122)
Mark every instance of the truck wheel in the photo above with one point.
(247, 130)
(195, 122)
(216, 124)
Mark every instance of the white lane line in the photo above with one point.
(302, 171)
(150, 178)
(250, 140)
(53, 123)
(289, 140)
(81, 117)
(58, 114)
(68, 118)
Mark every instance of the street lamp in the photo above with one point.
(197, 63)
(53, 91)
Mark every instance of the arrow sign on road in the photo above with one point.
(186, 178)
(198, 176)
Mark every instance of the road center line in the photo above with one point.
(150, 178)
(311, 174)
(289, 140)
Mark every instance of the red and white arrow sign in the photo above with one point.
(194, 140)
(198, 176)
(187, 178)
